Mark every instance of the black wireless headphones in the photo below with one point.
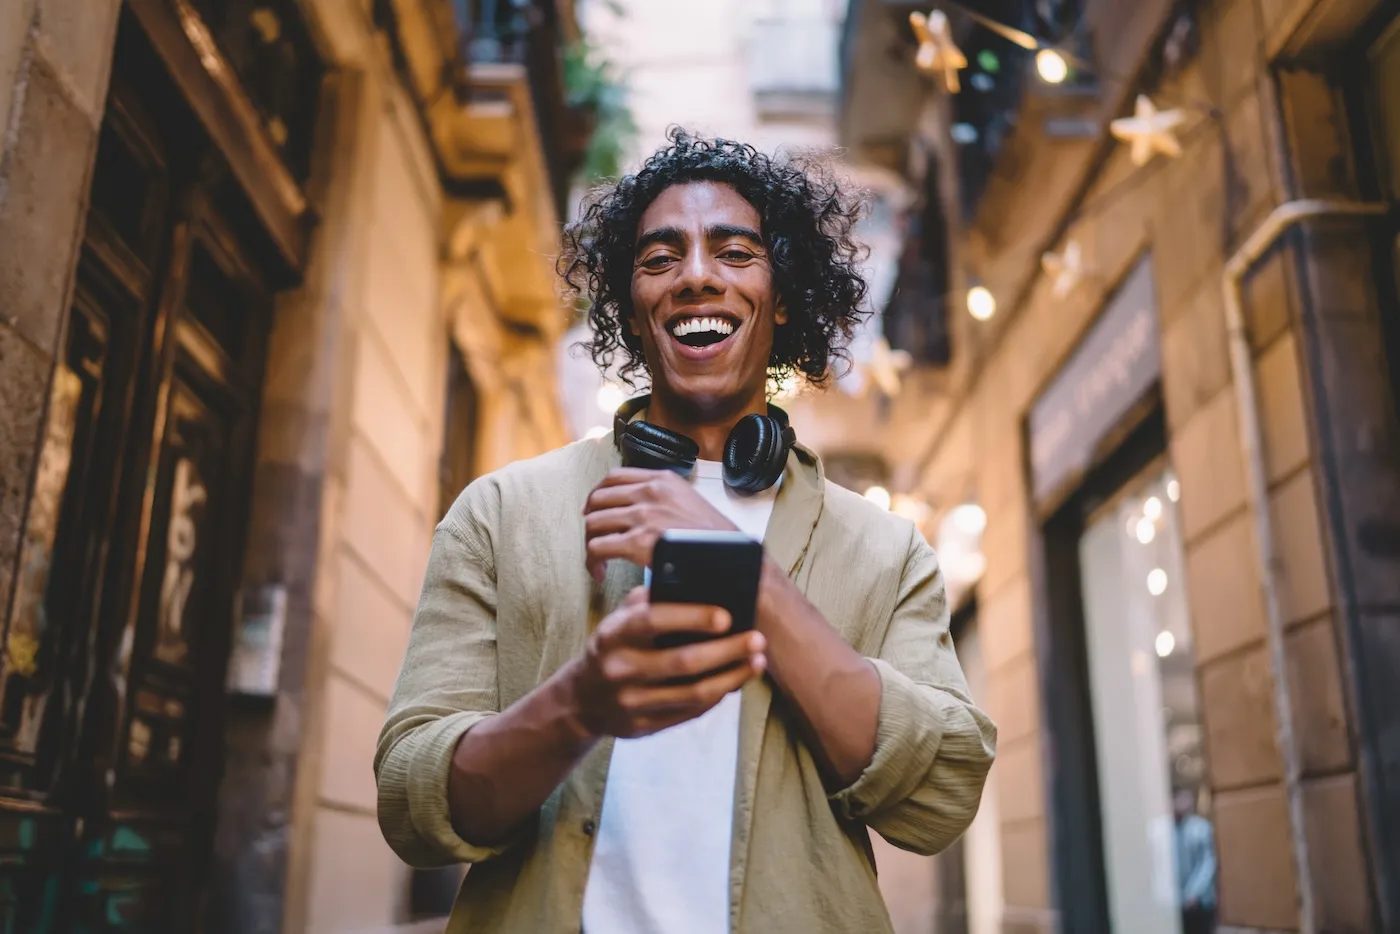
(754, 456)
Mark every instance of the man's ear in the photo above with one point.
(780, 315)
(632, 325)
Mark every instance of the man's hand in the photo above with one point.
(620, 684)
(628, 511)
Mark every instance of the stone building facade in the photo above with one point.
(1190, 516)
(274, 285)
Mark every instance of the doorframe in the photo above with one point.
(1079, 873)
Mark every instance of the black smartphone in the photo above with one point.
(712, 568)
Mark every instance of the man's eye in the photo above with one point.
(658, 261)
(737, 255)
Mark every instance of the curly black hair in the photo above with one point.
(807, 222)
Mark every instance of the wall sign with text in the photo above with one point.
(1117, 362)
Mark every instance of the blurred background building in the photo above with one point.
(276, 282)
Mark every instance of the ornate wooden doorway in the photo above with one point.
(111, 689)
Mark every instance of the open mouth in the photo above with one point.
(702, 332)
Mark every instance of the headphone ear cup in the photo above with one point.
(644, 445)
(755, 454)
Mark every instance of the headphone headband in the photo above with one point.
(755, 453)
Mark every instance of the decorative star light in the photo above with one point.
(938, 54)
(1150, 130)
(1065, 269)
(885, 366)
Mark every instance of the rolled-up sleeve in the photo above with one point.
(933, 746)
(448, 684)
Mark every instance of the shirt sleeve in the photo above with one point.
(933, 746)
(447, 685)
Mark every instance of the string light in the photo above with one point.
(1152, 509)
(1146, 531)
(1157, 582)
(879, 496)
(610, 396)
(1064, 269)
(1051, 66)
(1150, 131)
(1166, 643)
(938, 54)
(981, 303)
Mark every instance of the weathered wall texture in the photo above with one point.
(1191, 214)
(53, 84)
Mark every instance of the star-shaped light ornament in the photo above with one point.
(1064, 269)
(938, 54)
(885, 366)
(1150, 130)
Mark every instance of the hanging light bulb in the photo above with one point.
(879, 496)
(1146, 531)
(1165, 643)
(1051, 66)
(1152, 509)
(981, 303)
(1157, 582)
(610, 396)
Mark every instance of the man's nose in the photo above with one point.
(699, 272)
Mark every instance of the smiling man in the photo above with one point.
(597, 781)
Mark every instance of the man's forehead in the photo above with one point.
(699, 206)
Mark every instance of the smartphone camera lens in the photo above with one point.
(668, 572)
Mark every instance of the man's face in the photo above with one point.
(702, 297)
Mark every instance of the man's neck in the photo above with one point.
(709, 430)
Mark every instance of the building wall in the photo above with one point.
(53, 85)
(346, 482)
(1190, 213)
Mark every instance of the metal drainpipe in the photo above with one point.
(1280, 221)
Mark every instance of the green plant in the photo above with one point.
(592, 85)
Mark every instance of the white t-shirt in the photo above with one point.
(661, 859)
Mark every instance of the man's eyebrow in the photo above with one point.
(725, 231)
(674, 236)
(671, 236)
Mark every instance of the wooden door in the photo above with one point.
(112, 683)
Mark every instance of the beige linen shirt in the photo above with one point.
(506, 601)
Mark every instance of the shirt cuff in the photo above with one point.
(423, 763)
(907, 737)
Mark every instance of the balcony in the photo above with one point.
(794, 66)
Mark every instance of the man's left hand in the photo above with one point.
(628, 511)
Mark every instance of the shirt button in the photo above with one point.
(590, 827)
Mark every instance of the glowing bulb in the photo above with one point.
(1173, 490)
(597, 431)
(1152, 509)
(1166, 643)
(1146, 531)
(1052, 66)
(969, 518)
(1157, 582)
(879, 496)
(610, 396)
(981, 303)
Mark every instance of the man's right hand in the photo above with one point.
(620, 685)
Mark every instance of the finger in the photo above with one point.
(613, 497)
(663, 618)
(639, 665)
(643, 701)
(622, 476)
(633, 546)
(637, 596)
(620, 519)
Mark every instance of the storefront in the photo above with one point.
(1119, 694)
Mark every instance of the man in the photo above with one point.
(538, 733)
(1195, 865)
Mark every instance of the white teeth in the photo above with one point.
(698, 325)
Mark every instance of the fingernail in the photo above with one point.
(757, 642)
(760, 662)
(721, 620)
